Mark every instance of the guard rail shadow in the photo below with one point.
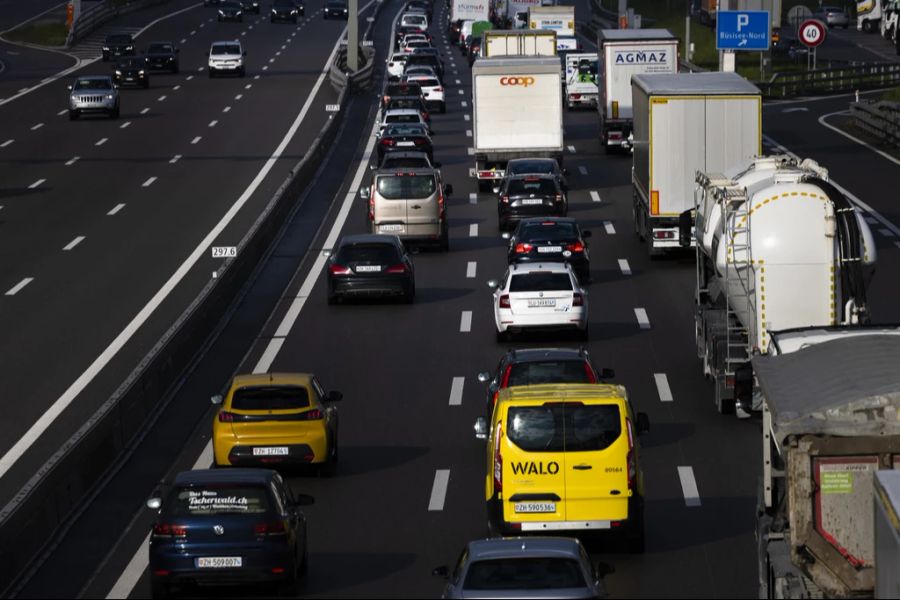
(878, 119)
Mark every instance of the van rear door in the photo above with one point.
(390, 204)
(423, 211)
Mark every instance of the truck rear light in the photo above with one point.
(338, 270)
(498, 462)
(615, 135)
(226, 417)
(663, 235)
(397, 269)
(577, 299)
(576, 247)
(524, 248)
(504, 301)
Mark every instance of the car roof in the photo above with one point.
(536, 354)
(524, 547)
(369, 238)
(218, 476)
(540, 267)
(562, 392)
(104, 77)
(222, 42)
(271, 379)
(409, 154)
(521, 176)
(400, 111)
(422, 77)
(405, 171)
(535, 159)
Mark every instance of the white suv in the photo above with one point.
(539, 297)
(432, 91)
(226, 57)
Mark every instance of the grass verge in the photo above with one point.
(42, 33)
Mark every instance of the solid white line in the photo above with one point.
(662, 386)
(149, 182)
(642, 318)
(116, 209)
(239, 96)
(6, 143)
(473, 198)
(473, 230)
(624, 266)
(465, 321)
(204, 461)
(161, 98)
(468, 133)
(145, 111)
(595, 196)
(196, 139)
(886, 232)
(456, 391)
(689, 486)
(175, 159)
(471, 268)
(582, 170)
(38, 126)
(610, 228)
(72, 161)
(125, 125)
(18, 287)
(855, 139)
(268, 355)
(213, 123)
(134, 571)
(74, 243)
(101, 141)
(439, 490)
(467, 117)
(226, 109)
(36, 184)
(572, 149)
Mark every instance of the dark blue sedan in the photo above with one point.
(227, 526)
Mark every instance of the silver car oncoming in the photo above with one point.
(520, 567)
(94, 94)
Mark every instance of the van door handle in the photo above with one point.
(582, 467)
(614, 492)
(416, 206)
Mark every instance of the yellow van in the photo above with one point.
(564, 457)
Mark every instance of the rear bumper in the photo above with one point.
(575, 319)
(369, 286)
(179, 568)
(510, 216)
(229, 453)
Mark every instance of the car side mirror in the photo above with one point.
(154, 503)
(69, 87)
(586, 233)
(448, 189)
(333, 396)
(565, 171)
(484, 377)
(506, 235)
(364, 192)
(217, 399)
(493, 284)
(442, 571)
(643, 423)
(481, 428)
(606, 373)
(304, 500)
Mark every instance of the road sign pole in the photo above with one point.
(353, 36)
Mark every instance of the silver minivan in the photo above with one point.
(411, 204)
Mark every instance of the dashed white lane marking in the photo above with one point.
(200, 69)
(439, 490)
(471, 151)
(62, 112)
(595, 196)
(473, 230)
(72, 161)
(202, 25)
(73, 243)
(189, 77)
(125, 125)
(183, 40)
(458, 82)
(278, 53)
(176, 88)
(455, 72)
(161, 98)
(149, 182)
(464, 104)
(38, 126)
(689, 486)
(239, 96)
(36, 184)
(460, 92)
(145, 111)
(465, 321)
(642, 318)
(265, 67)
(456, 390)
(248, 86)
(18, 287)
(473, 198)
(6, 143)
(256, 77)
(250, 27)
(468, 133)
(271, 60)
(662, 386)
(226, 109)
(213, 123)
(283, 46)
(116, 209)
(471, 269)
(175, 159)
(624, 266)
(101, 141)
(193, 32)
(610, 228)
(886, 232)
(467, 117)
(196, 139)
(582, 169)
(572, 149)
(243, 33)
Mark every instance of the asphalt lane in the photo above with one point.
(80, 299)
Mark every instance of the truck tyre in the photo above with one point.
(867, 26)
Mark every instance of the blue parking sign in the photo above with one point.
(742, 30)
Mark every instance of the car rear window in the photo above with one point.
(549, 371)
(391, 162)
(535, 232)
(283, 397)
(402, 119)
(429, 83)
(370, 253)
(402, 187)
(218, 500)
(526, 167)
(404, 103)
(536, 573)
(541, 282)
(544, 187)
(417, 19)
(408, 129)
(563, 427)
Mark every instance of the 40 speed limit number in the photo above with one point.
(811, 33)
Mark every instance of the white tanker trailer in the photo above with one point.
(778, 247)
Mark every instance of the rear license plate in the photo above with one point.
(219, 562)
(539, 302)
(390, 227)
(548, 249)
(530, 201)
(271, 451)
(406, 144)
(368, 268)
(535, 507)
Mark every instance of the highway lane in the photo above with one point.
(80, 299)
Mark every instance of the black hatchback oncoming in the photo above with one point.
(557, 239)
(370, 265)
(227, 526)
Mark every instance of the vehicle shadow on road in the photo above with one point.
(332, 571)
(358, 460)
(665, 434)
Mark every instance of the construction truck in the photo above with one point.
(869, 14)
(830, 427)
(778, 247)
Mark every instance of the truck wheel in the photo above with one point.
(867, 26)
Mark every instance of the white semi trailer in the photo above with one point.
(778, 247)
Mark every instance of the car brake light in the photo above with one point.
(591, 376)
(575, 96)
(438, 89)
(440, 201)
(577, 299)
(398, 268)
(576, 247)
(312, 415)
(372, 203)
(504, 198)
(524, 248)
(339, 270)
(632, 468)
(532, 179)
(504, 301)
(167, 530)
(498, 462)
(419, 142)
(559, 197)
(387, 142)
(226, 417)
(271, 528)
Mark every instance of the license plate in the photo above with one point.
(532, 201)
(219, 562)
(406, 144)
(546, 249)
(390, 228)
(539, 302)
(368, 268)
(535, 507)
(271, 451)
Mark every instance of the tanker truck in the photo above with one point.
(778, 247)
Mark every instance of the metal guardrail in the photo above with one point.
(831, 81)
(880, 119)
(93, 17)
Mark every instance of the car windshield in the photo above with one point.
(548, 231)
(217, 500)
(93, 84)
(404, 162)
(130, 63)
(270, 397)
(528, 167)
(368, 253)
(564, 427)
(544, 187)
(160, 49)
(118, 39)
(403, 187)
(550, 371)
(395, 130)
(532, 573)
(224, 49)
(541, 282)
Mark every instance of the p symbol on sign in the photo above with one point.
(742, 21)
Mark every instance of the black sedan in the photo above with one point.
(403, 137)
(286, 10)
(370, 265)
(400, 89)
(118, 44)
(335, 9)
(131, 71)
(231, 11)
(523, 196)
(555, 239)
(162, 56)
(537, 166)
(227, 526)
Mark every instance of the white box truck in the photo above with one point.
(560, 19)
(684, 123)
(581, 80)
(623, 53)
(518, 42)
(517, 113)
(517, 12)
(469, 10)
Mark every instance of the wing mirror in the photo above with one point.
(441, 571)
(333, 396)
(493, 284)
(217, 399)
(364, 192)
(643, 423)
(69, 87)
(154, 503)
(481, 428)
(484, 377)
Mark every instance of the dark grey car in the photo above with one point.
(523, 567)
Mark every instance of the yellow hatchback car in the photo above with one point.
(564, 458)
(276, 419)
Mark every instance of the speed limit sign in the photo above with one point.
(811, 33)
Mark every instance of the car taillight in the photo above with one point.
(167, 530)
(632, 467)
(270, 528)
(576, 247)
(575, 96)
(663, 235)
(577, 299)
(398, 268)
(504, 301)
(440, 201)
(387, 142)
(226, 417)
(420, 141)
(504, 199)
(372, 203)
(524, 248)
(592, 377)
(498, 462)
(312, 415)
(339, 270)
(438, 89)
(559, 197)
